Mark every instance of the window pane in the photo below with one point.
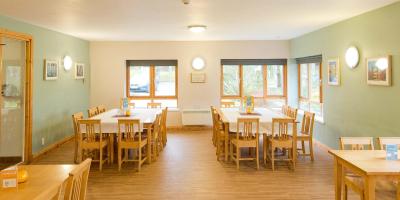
(315, 82)
(316, 108)
(139, 81)
(165, 80)
(253, 80)
(230, 80)
(304, 80)
(304, 105)
(275, 104)
(275, 80)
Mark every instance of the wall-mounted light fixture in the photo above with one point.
(198, 63)
(67, 63)
(352, 57)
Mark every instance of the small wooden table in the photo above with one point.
(43, 182)
(369, 164)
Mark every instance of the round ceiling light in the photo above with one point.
(352, 57)
(67, 62)
(198, 63)
(197, 28)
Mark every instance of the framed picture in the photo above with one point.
(198, 78)
(379, 71)
(334, 72)
(79, 71)
(51, 70)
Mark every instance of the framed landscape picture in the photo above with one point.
(334, 72)
(379, 71)
(51, 70)
(79, 71)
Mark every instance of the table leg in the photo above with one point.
(226, 129)
(112, 147)
(338, 179)
(369, 188)
(149, 136)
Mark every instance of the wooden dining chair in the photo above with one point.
(130, 137)
(280, 138)
(292, 113)
(92, 112)
(75, 118)
(93, 139)
(351, 180)
(214, 134)
(157, 144)
(227, 104)
(101, 109)
(220, 136)
(383, 141)
(245, 138)
(164, 134)
(306, 134)
(76, 185)
(356, 143)
(153, 105)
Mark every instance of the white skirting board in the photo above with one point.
(196, 117)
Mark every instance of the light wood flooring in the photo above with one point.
(188, 169)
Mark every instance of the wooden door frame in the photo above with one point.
(28, 88)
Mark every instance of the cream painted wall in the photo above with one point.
(108, 67)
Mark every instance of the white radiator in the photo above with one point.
(196, 117)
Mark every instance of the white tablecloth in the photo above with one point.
(266, 115)
(109, 119)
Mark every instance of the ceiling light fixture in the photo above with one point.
(197, 28)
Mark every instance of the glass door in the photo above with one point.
(13, 61)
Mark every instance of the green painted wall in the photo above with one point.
(355, 108)
(54, 101)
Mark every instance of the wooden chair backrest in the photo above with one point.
(91, 133)
(77, 181)
(217, 122)
(227, 104)
(101, 109)
(244, 129)
(164, 120)
(213, 113)
(356, 143)
(157, 126)
(153, 105)
(285, 109)
(280, 128)
(75, 118)
(307, 125)
(129, 130)
(92, 112)
(292, 113)
(383, 141)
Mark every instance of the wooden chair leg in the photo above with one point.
(273, 157)
(231, 151)
(140, 159)
(311, 149)
(303, 148)
(237, 156)
(257, 157)
(101, 159)
(345, 192)
(119, 159)
(265, 149)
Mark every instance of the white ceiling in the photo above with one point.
(103, 20)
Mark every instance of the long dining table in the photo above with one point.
(229, 118)
(109, 124)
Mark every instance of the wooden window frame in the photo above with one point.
(265, 85)
(152, 95)
(303, 99)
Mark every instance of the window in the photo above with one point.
(263, 79)
(152, 81)
(310, 87)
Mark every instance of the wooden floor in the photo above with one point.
(188, 169)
